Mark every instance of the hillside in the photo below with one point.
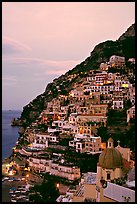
(124, 46)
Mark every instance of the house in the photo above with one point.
(104, 66)
(85, 143)
(106, 98)
(59, 123)
(118, 104)
(97, 118)
(116, 60)
(54, 130)
(73, 118)
(44, 137)
(132, 60)
(130, 113)
(92, 145)
(96, 109)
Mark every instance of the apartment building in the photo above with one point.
(40, 141)
(86, 143)
(54, 168)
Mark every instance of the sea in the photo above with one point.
(9, 133)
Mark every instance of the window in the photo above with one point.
(86, 144)
(108, 176)
(78, 145)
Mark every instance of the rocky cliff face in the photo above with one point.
(124, 46)
(129, 33)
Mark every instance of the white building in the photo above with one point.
(40, 141)
(132, 60)
(42, 164)
(117, 60)
(45, 137)
(59, 123)
(117, 104)
(73, 118)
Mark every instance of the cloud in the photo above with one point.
(38, 61)
(44, 67)
(9, 80)
(11, 46)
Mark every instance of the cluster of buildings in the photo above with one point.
(78, 115)
(109, 183)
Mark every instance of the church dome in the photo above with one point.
(110, 158)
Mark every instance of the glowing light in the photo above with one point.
(8, 165)
(27, 175)
(71, 94)
(125, 85)
(25, 169)
(10, 173)
(57, 185)
(29, 145)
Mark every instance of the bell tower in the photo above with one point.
(110, 143)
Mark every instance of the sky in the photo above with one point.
(43, 40)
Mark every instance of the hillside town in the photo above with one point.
(67, 131)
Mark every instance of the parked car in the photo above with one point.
(5, 179)
(13, 195)
(17, 191)
(13, 200)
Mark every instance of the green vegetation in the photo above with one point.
(64, 141)
(118, 129)
(115, 117)
(46, 192)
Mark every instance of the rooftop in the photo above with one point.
(89, 178)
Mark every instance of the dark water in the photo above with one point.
(9, 133)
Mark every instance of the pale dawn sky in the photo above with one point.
(42, 40)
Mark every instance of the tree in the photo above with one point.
(127, 104)
(46, 192)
